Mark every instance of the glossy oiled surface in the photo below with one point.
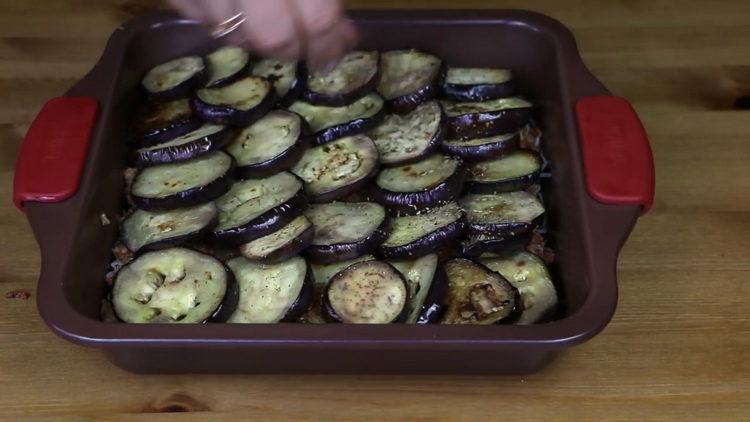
(678, 347)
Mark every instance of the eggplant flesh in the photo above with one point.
(174, 285)
(427, 288)
(226, 64)
(413, 236)
(487, 118)
(478, 84)
(477, 295)
(147, 230)
(506, 214)
(331, 123)
(175, 79)
(354, 76)
(201, 141)
(162, 122)
(515, 171)
(409, 78)
(370, 292)
(282, 244)
(239, 103)
(482, 149)
(270, 293)
(403, 139)
(287, 78)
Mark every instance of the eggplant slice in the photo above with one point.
(239, 103)
(482, 149)
(504, 215)
(427, 286)
(272, 144)
(201, 141)
(182, 184)
(146, 230)
(411, 188)
(336, 169)
(527, 273)
(255, 208)
(226, 64)
(413, 236)
(370, 292)
(478, 84)
(403, 139)
(323, 273)
(478, 295)
(345, 230)
(330, 123)
(175, 79)
(288, 78)
(161, 122)
(282, 244)
(409, 78)
(487, 118)
(174, 285)
(271, 293)
(515, 171)
(476, 245)
(354, 76)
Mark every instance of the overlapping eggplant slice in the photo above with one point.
(238, 103)
(413, 236)
(354, 76)
(427, 286)
(478, 84)
(149, 230)
(206, 139)
(271, 293)
(323, 273)
(272, 144)
(411, 188)
(174, 285)
(175, 79)
(288, 78)
(514, 171)
(486, 118)
(478, 295)
(331, 123)
(403, 139)
(370, 292)
(475, 245)
(282, 244)
(338, 168)
(482, 149)
(159, 122)
(504, 215)
(409, 78)
(345, 230)
(182, 184)
(255, 208)
(527, 273)
(226, 64)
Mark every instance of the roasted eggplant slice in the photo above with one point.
(272, 144)
(288, 78)
(345, 230)
(481, 149)
(487, 118)
(475, 245)
(410, 188)
(504, 215)
(255, 208)
(334, 170)
(146, 230)
(183, 184)
(370, 292)
(409, 78)
(478, 84)
(271, 293)
(226, 64)
(413, 236)
(515, 171)
(239, 103)
(330, 123)
(478, 295)
(354, 76)
(204, 140)
(427, 286)
(174, 285)
(403, 139)
(527, 273)
(282, 244)
(175, 79)
(161, 122)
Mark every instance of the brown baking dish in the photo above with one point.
(70, 172)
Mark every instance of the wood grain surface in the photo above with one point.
(677, 349)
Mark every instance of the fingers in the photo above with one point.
(328, 35)
(270, 28)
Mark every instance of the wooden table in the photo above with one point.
(678, 347)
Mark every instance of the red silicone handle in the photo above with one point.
(52, 155)
(617, 157)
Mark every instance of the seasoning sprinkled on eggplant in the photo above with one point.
(478, 295)
(413, 236)
(175, 79)
(238, 103)
(345, 230)
(403, 139)
(515, 171)
(287, 77)
(354, 76)
(146, 230)
(487, 118)
(478, 84)
(504, 215)
(482, 149)
(331, 123)
(282, 244)
(409, 78)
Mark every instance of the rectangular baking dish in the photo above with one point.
(70, 172)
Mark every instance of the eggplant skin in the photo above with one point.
(183, 152)
(304, 299)
(478, 92)
(264, 224)
(475, 248)
(166, 133)
(194, 196)
(502, 186)
(326, 254)
(230, 301)
(179, 240)
(293, 248)
(183, 90)
(482, 152)
(408, 102)
(411, 203)
(343, 191)
(340, 100)
(349, 128)
(427, 244)
(510, 230)
(231, 116)
(150, 127)
(486, 124)
(279, 163)
(434, 304)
